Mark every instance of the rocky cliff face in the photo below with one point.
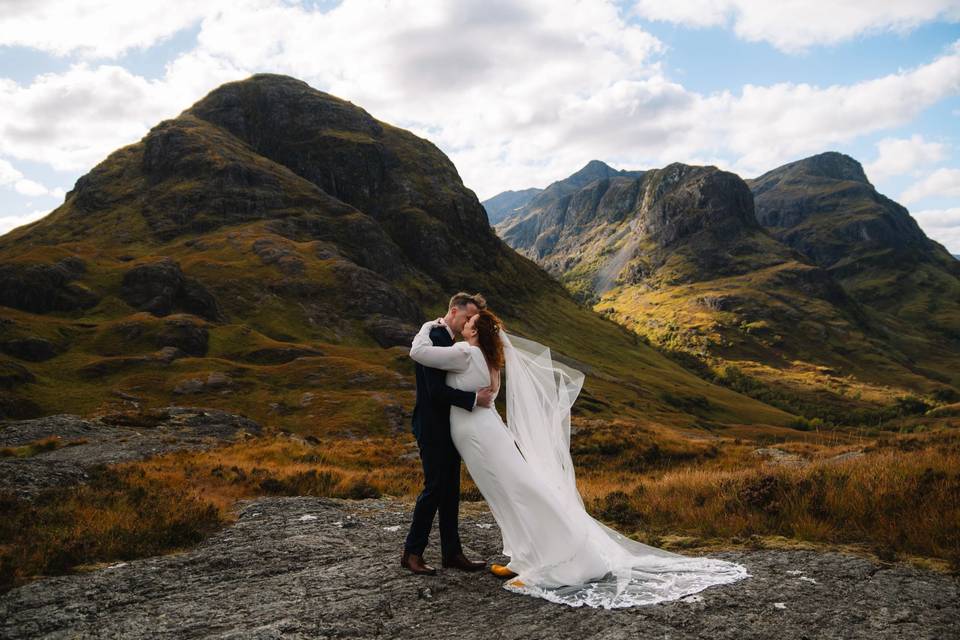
(825, 207)
(675, 225)
(679, 255)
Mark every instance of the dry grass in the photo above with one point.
(120, 514)
(38, 446)
(900, 497)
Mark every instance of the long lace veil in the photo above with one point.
(540, 395)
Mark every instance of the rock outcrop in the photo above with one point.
(160, 287)
(42, 288)
(108, 439)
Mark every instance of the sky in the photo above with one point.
(518, 94)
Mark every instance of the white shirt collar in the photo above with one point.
(449, 330)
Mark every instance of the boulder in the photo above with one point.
(184, 334)
(389, 331)
(160, 287)
(30, 348)
(42, 288)
(13, 374)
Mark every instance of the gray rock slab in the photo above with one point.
(108, 440)
(323, 568)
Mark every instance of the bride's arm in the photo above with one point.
(446, 358)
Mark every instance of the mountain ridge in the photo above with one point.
(268, 235)
(662, 254)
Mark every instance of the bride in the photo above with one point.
(524, 471)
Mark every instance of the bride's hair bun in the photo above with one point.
(488, 327)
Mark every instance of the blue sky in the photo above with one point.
(518, 93)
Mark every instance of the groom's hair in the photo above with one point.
(462, 299)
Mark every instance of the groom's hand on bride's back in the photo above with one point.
(485, 397)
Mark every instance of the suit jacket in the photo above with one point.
(431, 414)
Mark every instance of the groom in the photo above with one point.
(441, 462)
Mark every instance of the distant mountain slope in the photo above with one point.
(262, 252)
(531, 226)
(677, 255)
(504, 205)
(825, 207)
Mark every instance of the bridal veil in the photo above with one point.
(540, 393)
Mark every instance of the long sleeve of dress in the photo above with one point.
(451, 358)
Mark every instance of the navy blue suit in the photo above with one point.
(441, 462)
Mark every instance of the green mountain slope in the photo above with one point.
(825, 207)
(269, 251)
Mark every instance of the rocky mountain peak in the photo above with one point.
(592, 171)
(680, 200)
(253, 108)
(832, 165)
(838, 166)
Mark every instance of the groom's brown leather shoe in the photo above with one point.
(460, 561)
(416, 564)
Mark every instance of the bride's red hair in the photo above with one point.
(488, 327)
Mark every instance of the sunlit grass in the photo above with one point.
(899, 497)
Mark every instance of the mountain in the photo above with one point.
(825, 207)
(504, 205)
(678, 255)
(593, 170)
(269, 251)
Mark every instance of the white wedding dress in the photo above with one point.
(524, 472)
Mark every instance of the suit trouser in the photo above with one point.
(441, 493)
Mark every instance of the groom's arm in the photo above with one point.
(437, 378)
(439, 390)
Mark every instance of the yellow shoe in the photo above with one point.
(501, 571)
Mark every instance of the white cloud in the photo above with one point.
(795, 26)
(566, 82)
(904, 156)
(28, 187)
(943, 182)
(517, 93)
(72, 120)
(770, 124)
(12, 178)
(97, 28)
(8, 223)
(943, 225)
(8, 173)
